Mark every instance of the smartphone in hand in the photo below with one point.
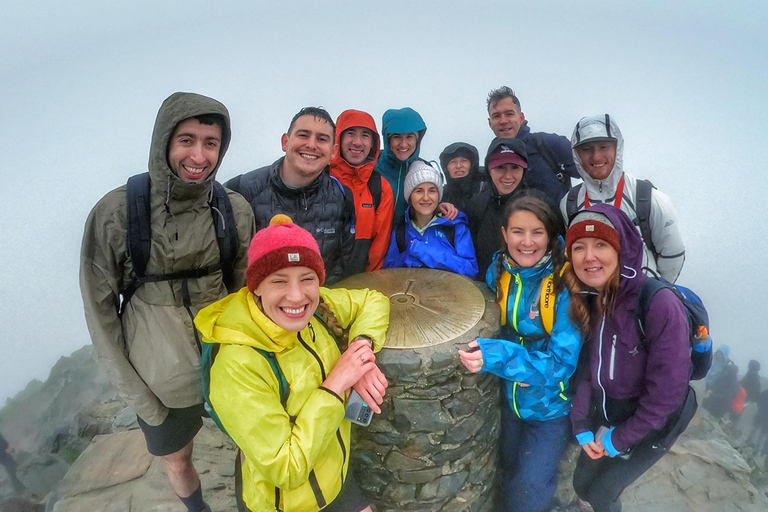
(357, 410)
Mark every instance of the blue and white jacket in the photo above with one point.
(432, 249)
(535, 366)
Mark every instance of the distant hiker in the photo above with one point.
(146, 270)
(758, 435)
(356, 153)
(535, 352)
(464, 179)
(425, 237)
(550, 161)
(506, 161)
(280, 378)
(720, 398)
(719, 362)
(298, 185)
(634, 399)
(7, 461)
(751, 381)
(598, 150)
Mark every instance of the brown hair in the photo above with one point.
(586, 306)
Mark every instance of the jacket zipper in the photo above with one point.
(518, 293)
(600, 365)
(613, 358)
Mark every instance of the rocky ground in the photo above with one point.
(78, 450)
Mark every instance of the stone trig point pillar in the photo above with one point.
(434, 446)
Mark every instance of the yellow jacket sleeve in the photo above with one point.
(364, 312)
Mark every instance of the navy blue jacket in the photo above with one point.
(540, 175)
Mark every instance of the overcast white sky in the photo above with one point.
(81, 82)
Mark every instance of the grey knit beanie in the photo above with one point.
(421, 172)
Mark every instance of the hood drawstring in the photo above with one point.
(634, 272)
(220, 215)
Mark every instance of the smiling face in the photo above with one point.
(290, 296)
(506, 178)
(424, 199)
(403, 145)
(505, 118)
(526, 238)
(193, 150)
(594, 260)
(356, 144)
(307, 150)
(459, 167)
(597, 158)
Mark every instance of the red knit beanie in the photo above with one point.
(588, 224)
(282, 244)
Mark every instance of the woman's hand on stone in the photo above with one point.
(472, 359)
(355, 362)
(371, 387)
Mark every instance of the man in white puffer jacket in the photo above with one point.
(598, 150)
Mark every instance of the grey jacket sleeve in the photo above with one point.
(102, 260)
(665, 234)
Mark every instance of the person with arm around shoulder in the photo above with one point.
(535, 353)
(295, 448)
(632, 400)
(426, 237)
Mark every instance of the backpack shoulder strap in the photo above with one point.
(557, 167)
(400, 237)
(449, 230)
(282, 383)
(374, 185)
(643, 210)
(547, 298)
(649, 289)
(139, 222)
(572, 203)
(226, 232)
(505, 282)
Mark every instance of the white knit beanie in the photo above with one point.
(421, 172)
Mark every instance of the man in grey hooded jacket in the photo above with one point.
(598, 151)
(146, 341)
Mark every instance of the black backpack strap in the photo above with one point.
(374, 185)
(226, 232)
(572, 203)
(400, 237)
(557, 167)
(649, 289)
(643, 210)
(139, 230)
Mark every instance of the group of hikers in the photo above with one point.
(174, 265)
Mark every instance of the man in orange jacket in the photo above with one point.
(354, 156)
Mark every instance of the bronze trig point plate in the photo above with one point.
(427, 307)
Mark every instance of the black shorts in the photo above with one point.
(350, 498)
(173, 434)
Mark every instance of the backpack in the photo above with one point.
(449, 230)
(140, 241)
(698, 321)
(374, 186)
(737, 407)
(643, 194)
(554, 164)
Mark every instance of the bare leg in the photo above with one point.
(181, 473)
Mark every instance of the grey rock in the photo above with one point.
(125, 420)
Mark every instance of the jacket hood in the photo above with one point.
(631, 253)
(474, 159)
(349, 119)
(175, 109)
(599, 127)
(404, 120)
(753, 367)
(725, 350)
(518, 147)
(237, 320)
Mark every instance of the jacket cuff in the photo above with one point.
(332, 393)
(608, 444)
(703, 345)
(585, 437)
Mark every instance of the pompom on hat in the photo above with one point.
(589, 224)
(282, 244)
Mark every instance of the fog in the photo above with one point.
(81, 82)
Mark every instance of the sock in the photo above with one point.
(195, 502)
